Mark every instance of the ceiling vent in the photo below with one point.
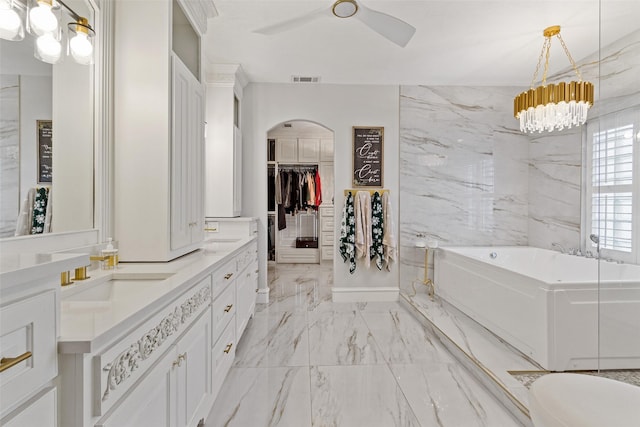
(305, 79)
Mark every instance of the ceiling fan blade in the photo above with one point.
(292, 23)
(390, 27)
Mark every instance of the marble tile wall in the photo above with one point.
(9, 153)
(464, 172)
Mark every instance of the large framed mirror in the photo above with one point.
(52, 136)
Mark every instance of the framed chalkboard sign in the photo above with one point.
(368, 156)
(45, 151)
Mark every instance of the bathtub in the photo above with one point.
(546, 304)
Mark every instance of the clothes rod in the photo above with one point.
(380, 191)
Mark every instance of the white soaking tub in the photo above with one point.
(547, 304)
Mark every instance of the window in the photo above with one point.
(613, 190)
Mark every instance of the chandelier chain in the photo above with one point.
(544, 48)
(573, 63)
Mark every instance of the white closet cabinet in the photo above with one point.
(223, 164)
(158, 138)
(297, 150)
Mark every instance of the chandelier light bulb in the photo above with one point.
(81, 48)
(48, 49)
(42, 20)
(10, 23)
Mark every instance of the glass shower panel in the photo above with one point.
(613, 150)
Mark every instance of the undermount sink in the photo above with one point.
(115, 287)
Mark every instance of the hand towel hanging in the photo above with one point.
(389, 239)
(347, 234)
(363, 226)
(377, 230)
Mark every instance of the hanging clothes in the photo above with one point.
(280, 190)
(318, 189)
(348, 234)
(376, 250)
(363, 226)
(389, 238)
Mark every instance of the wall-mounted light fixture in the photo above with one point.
(554, 106)
(42, 18)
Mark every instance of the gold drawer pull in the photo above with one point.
(228, 348)
(228, 276)
(228, 308)
(8, 362)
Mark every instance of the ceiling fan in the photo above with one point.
(390, 27)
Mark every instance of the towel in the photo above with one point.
(25, 217)
(347, 234)
(377, 230)
(363, 226)
(389, 239)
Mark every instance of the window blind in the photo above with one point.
(612, 181)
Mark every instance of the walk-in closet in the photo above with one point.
(300, 193)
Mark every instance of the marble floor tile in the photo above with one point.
(403, 339)
(274, 339)
(445, 395)
(263, 397)
(353, 396)
(341, 338)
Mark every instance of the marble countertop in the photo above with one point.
(97, 311)
(19, 269)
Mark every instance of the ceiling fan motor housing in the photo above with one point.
(344, 8)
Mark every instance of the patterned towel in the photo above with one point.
(39, 210)
(377, 230)
(348, 234)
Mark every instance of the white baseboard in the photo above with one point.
(364, 294)
(263, 296)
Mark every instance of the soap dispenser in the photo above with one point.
(110, 256)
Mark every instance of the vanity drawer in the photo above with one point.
(327, 253)
(222, 311)
(327, 238)
(27, 335)
(222, 355)
(326, 212)
(223, 276)
(40, 413)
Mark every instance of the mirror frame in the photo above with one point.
(103, 151)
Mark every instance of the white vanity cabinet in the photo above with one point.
(29, 319)
(159, 130)
(175, 391)
(161, 363)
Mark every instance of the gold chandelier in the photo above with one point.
(554, 106)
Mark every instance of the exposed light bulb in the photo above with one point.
(48, 49)
(81, 48)
(42, 20)
(10, 23)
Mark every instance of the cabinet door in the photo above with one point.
(193, 376)
(152, 401)
(40, 413)
(326, 150)
(196, 160)
(181, 224)
(308, 150)
(327, 182)
(287, 150)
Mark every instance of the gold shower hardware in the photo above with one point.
(228, 308)
(228, 276)
(8, 362)
(227, 349)
(431, 288)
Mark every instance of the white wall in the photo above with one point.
(339, 108)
